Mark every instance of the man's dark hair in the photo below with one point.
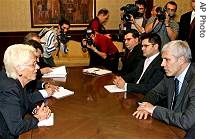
(153, 38)
(35, 44)
(64, 21)
(172, 3)
(141, 2)
(103, 11)
(135, 33)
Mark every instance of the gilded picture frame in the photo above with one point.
(48, 12)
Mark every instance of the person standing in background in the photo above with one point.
(164, 24)
(187, 29)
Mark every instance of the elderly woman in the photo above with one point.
(15, 103)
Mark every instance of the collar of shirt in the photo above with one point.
(192, 16)
(181, 76)
(151, 58)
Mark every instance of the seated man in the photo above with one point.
(178, 87)
(149, 72)
(133, 53)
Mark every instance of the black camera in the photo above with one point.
(64, 37)
(129, 9)
(87, 36)
(161, 13)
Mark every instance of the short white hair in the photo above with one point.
(178, 48)
(16, 55)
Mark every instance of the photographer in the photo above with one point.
(97, 24)
(101, 49)
(133, 16)
(54, 38)
(164, 24)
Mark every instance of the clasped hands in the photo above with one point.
(144, 109)
(41, 112)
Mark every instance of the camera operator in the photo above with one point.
(164, 24)
(133, 16)
(102, 51)
(54, 38)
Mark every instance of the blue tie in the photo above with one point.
(176, 92)
(176, 86)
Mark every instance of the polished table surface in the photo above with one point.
(94, 113)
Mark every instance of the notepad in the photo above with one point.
(96, 71)
(113, 89)
(56, 72)
(62, 92)
(47, 122)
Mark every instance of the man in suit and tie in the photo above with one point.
(180, 109)
(187, 29)
(149, 71)
(133, 52)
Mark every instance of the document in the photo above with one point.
(62, 92)
(60, 79)
(113, 89)
(96, 71)
(56, 72)
(47, 122)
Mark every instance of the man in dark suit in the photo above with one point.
(187, 29)
(149, 71)
(133, 53)
(180, 109)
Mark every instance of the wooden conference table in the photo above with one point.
(94, 113)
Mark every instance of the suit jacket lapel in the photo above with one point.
(154, 62)
(185, 86)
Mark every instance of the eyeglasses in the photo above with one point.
(30, 65)
(128, 39)
(146, 45)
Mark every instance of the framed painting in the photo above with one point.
(48, 12)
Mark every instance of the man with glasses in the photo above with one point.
(164, 25)
(133, 53)
(149, 72)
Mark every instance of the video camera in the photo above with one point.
(64, 37)
(129, 9)
(161, 13)
(87, 36)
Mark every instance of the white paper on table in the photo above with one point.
(60, 79)
(56, 72)
(97, 71)
(114, 89)
(47, 122)
(62, 92)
